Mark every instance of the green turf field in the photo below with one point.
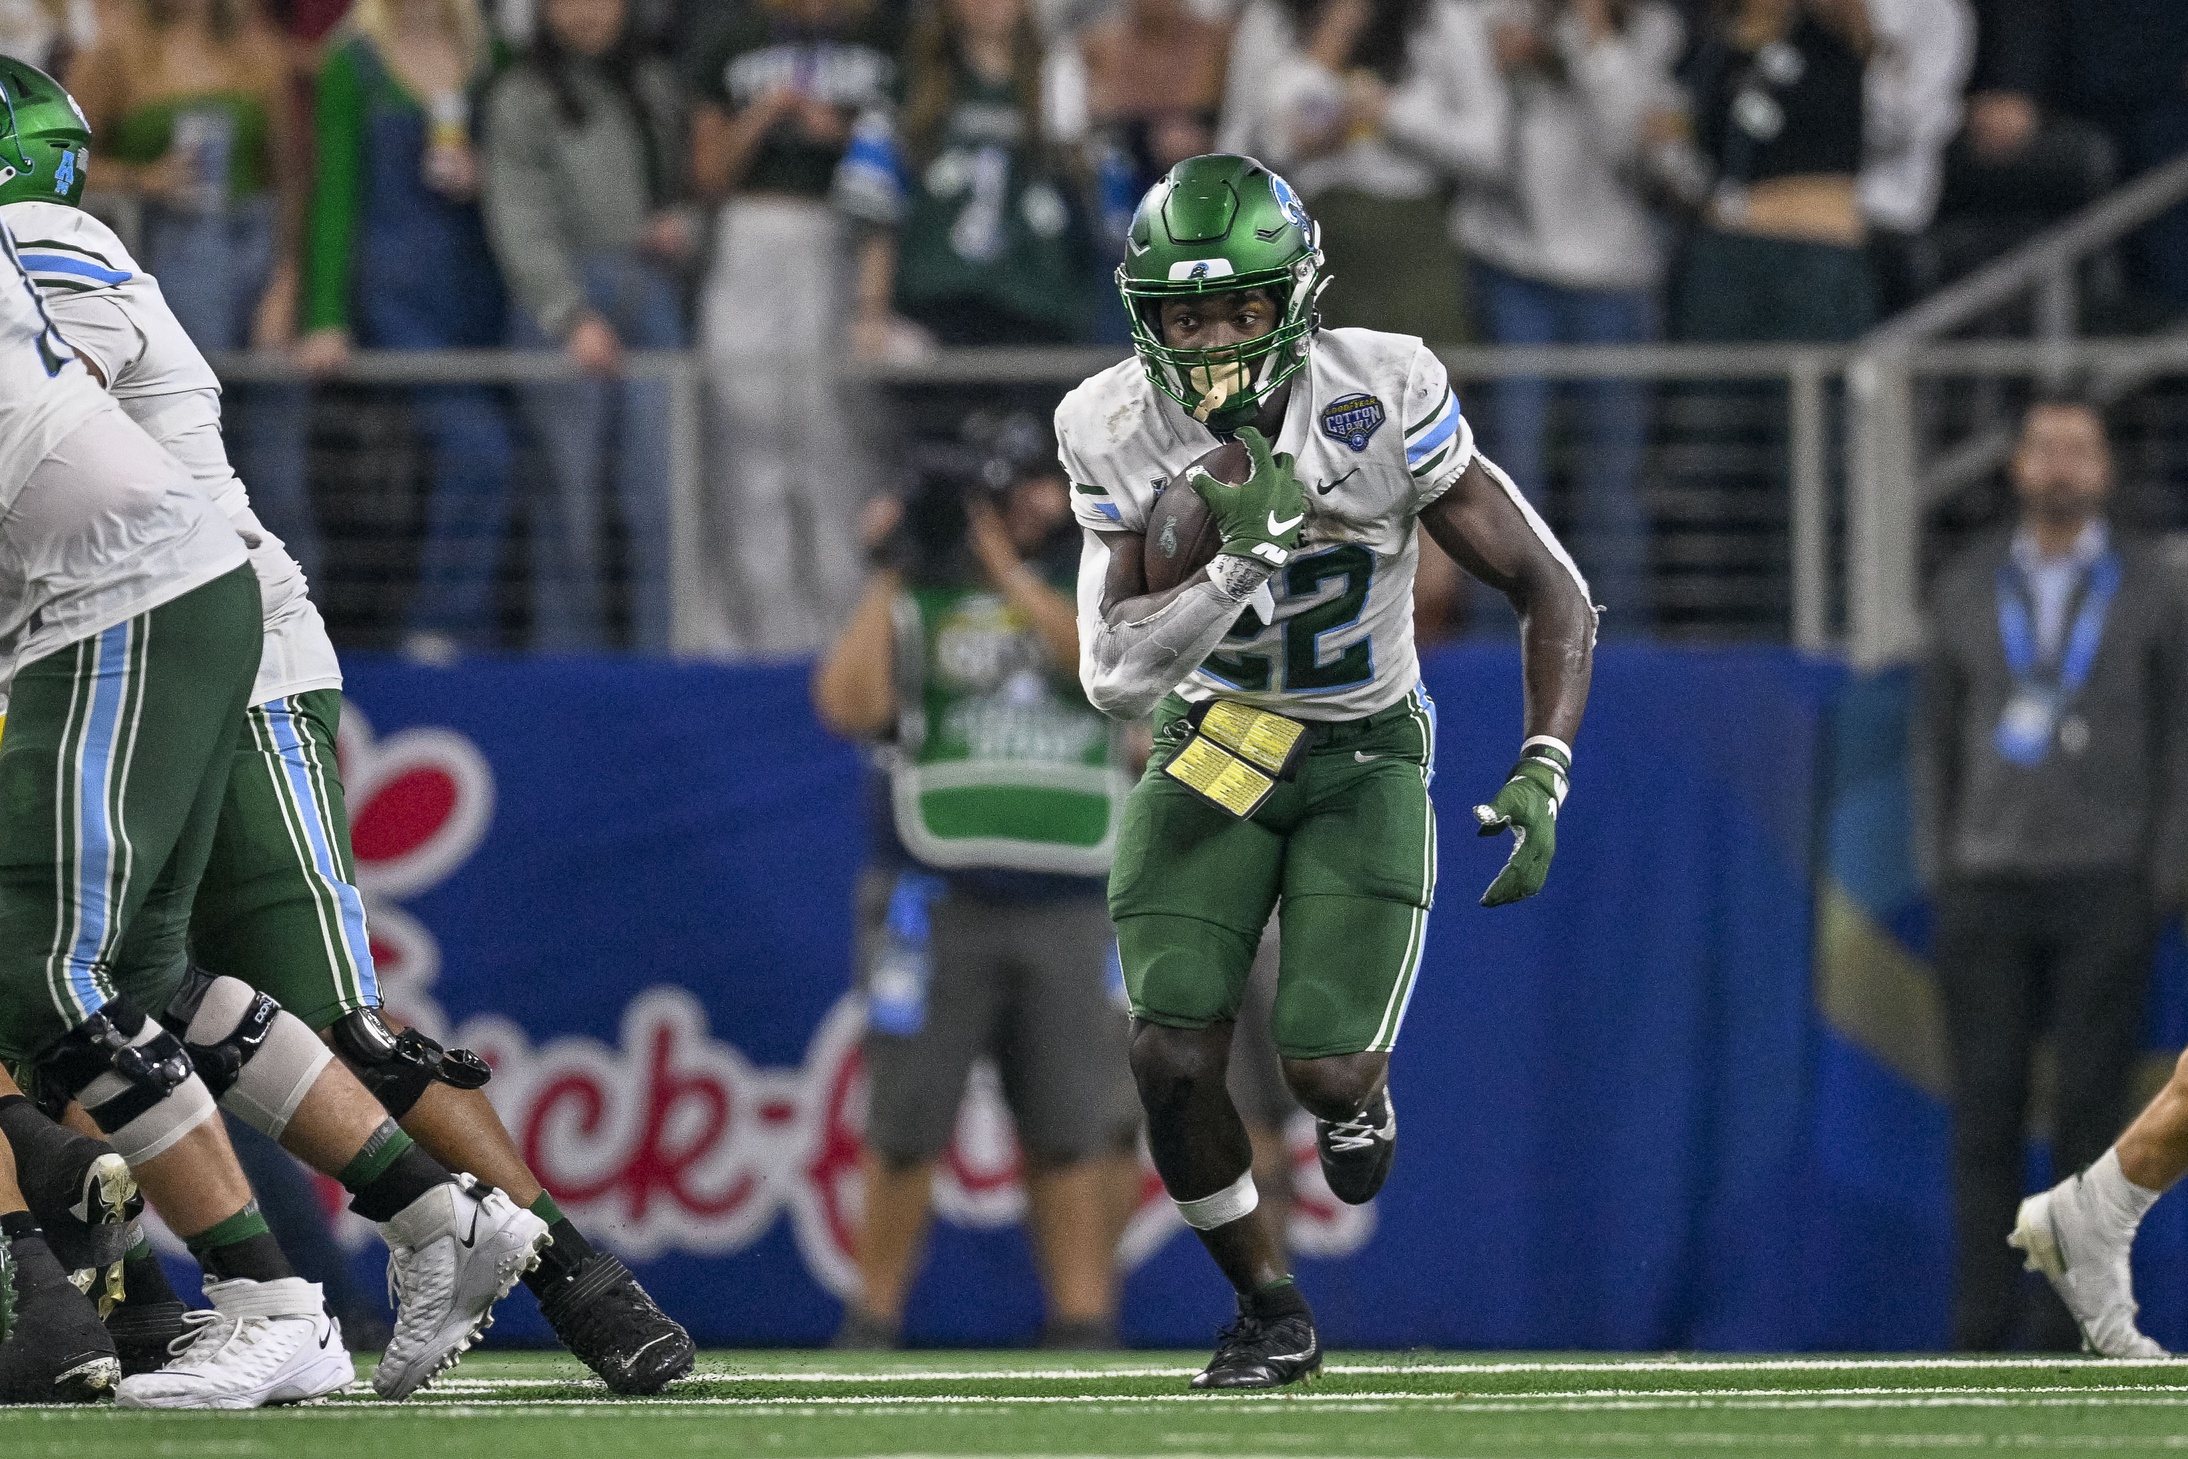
(1497, 1406)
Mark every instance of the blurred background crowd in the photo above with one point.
(807, 192)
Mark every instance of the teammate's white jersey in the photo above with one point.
(1378, 435)
(114, 312)
(97, 523)
(45, 392)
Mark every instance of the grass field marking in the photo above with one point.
(1758, 1365)
(1439, 1366)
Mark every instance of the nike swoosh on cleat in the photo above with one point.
(1277, 529)
(473, 1239)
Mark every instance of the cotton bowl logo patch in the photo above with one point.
(1353, 419)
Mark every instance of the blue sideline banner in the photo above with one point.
(629, 885)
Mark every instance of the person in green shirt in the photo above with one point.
(985, 930)
(396, 258)
(189, 103)
(978, 233)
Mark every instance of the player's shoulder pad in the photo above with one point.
(1096, 428)
(67, 248)
(1105, 410)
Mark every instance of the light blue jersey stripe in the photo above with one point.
(296, 767)
(96, 842)
(1446, 426)
(1428, 703)
(54, 263)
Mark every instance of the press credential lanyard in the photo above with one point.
(2031, 719)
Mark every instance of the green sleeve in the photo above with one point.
(330, 227)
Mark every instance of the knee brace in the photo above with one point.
(133, 1078)
(398, 1067)
(256, 1058)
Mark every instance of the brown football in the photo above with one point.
(1181, 532)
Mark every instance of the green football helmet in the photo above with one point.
(45, 143)
(1217, 225)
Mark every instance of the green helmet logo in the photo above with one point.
(45, 143)
(1220, 225)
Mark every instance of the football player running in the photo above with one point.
(277, 919)
(1294, 743)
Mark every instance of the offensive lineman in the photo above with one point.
(276, 909)
(1293, 742)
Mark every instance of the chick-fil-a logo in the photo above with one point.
(665, 1137)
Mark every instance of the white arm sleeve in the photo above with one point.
(1126, 668)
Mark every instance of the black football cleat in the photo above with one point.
(84, 1199)
(56, 1349)
(1357, 1153)
(606, 1319)
(1263, 1352)
(144, 1333)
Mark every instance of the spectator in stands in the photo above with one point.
(584, 163)
(1371, 108)
(1565, 251)
(46, 33)
(988, 934)
(2051, 757)
(2022, 160)
(977, 221)
(1778, 96)
(189, 100)
(1148, 78)
(397, 259)
(1924, 52)
(2127, 71)
(1137, 92)
(780, 84)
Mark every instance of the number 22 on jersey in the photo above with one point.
(1302, 660)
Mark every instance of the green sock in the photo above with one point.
(242, 1226)
(546, 1209)
(241, 1246)
(383, 1149)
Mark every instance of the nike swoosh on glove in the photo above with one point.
(1261, 517)
(1527, 806)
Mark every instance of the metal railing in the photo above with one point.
(682, 372)
(1875, 567)
(1890, 481)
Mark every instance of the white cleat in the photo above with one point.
(263, 1343)
(2087, 1266)
(452, 1254)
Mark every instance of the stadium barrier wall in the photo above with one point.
(1637, 1113)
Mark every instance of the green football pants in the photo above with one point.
(111, 776)
(1348, 846)
(278, 906)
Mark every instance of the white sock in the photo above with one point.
(2111, 1195)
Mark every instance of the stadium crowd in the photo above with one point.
(786, 184)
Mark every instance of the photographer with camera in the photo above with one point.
(984, 924)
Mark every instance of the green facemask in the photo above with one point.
(1221, 224)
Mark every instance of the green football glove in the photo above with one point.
(1260, 518)
(1527, 806)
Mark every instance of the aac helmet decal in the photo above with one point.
(1353, 419)
(1289, 202)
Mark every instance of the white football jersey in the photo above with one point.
(45, 392)
(113, 312)
(1378, 435)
